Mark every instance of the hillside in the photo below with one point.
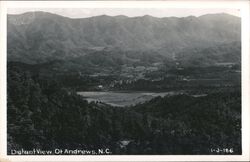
(37, 37)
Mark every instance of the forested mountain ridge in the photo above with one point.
(41, 36)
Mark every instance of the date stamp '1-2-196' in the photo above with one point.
(222, 150)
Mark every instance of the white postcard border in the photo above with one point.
(245, 17)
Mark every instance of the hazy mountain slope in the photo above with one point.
(39, 36)
(222, 53)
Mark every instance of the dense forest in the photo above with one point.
(42, 113)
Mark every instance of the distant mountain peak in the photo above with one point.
(101, 16)
(219, 15)
(121, 16)
(36, 14)
(148, 16)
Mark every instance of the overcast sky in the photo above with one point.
(89, 12)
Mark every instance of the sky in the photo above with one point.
(130, 12)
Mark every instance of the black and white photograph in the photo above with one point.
(124, 81)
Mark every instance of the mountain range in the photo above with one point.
(37, 37)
